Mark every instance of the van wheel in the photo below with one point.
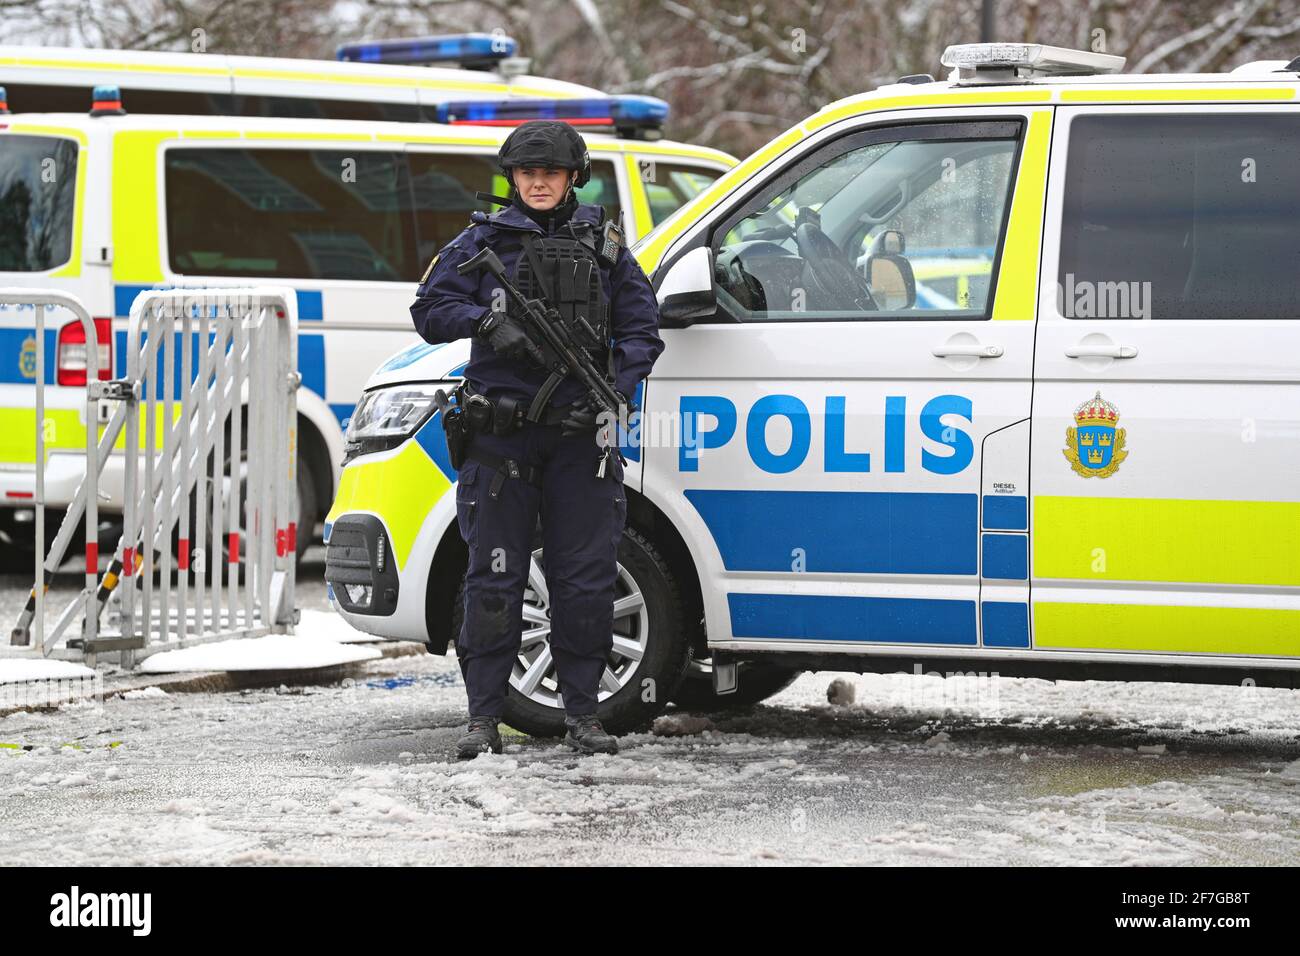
(307, 515)
(757, 682)
(644, 668)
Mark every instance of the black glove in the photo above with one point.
(583, 415)
(580, 418)
(505, 335)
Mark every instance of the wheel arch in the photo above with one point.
(445, 572)
(451, 556)
(316, 459)
(320, 434)
(320, 449)
(650, 520)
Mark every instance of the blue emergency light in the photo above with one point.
(106, 101)
(467, 49)
(621, 112)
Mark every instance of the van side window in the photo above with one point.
(669, 186)
(56, 98)
(906, 224)
(444, 185)
(1182, 216)
(38, 181)
(602, 189)
(290, 213)
(329, 214)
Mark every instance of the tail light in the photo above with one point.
(72, 352)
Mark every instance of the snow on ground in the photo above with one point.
(918, 771)
(19, 670)
(300, 651)
(331, 626)
(1026, 701)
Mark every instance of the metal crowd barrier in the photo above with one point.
(211, 387)
(88, 499)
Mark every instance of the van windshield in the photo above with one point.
(38, 181)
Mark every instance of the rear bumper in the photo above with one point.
(64, 473)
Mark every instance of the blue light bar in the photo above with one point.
(643, 110)
(106, 100)
(453, 48)
(617, 111)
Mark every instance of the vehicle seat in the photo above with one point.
(889, 272)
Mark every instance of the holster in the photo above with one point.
(455, 425)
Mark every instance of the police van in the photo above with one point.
(339, 179)
(997, 374)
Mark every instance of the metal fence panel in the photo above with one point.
(226, 403)
(88, 500)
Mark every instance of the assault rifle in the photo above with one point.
(561, 354)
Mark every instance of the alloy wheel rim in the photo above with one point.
(533, 674)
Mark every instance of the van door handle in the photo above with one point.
(967, 351)
(1080, 350)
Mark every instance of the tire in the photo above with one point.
(657, 626)
(18, 543)
(195, 519)
(307, 507)
(18, 555)
(306, 518)
(757, 682)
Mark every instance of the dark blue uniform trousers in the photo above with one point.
(582, 522)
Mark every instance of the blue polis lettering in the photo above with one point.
(836, 457)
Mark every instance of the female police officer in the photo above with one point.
(566, 253)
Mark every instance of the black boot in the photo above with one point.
(481, 737)
(587, 736)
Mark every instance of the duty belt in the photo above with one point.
(515, 410)
(508, 467)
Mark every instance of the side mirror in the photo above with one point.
(686, 293)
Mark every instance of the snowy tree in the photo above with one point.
(736, 72)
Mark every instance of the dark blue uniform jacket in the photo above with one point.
(448, 305)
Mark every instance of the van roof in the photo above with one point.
(222, 73)
(1258, 83)
(267, 128)
(1255, 73)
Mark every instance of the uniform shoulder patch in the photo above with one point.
(432, 262)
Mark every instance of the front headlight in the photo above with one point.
(386, 417)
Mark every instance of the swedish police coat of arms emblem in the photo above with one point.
(27, 358)
(1094, 447)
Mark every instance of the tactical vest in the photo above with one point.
(565, 274)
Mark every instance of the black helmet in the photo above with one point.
(546, 143)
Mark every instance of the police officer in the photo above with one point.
(520, 460)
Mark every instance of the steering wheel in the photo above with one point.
(837, 282)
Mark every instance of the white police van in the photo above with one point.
(999, 373)
(340, 180)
